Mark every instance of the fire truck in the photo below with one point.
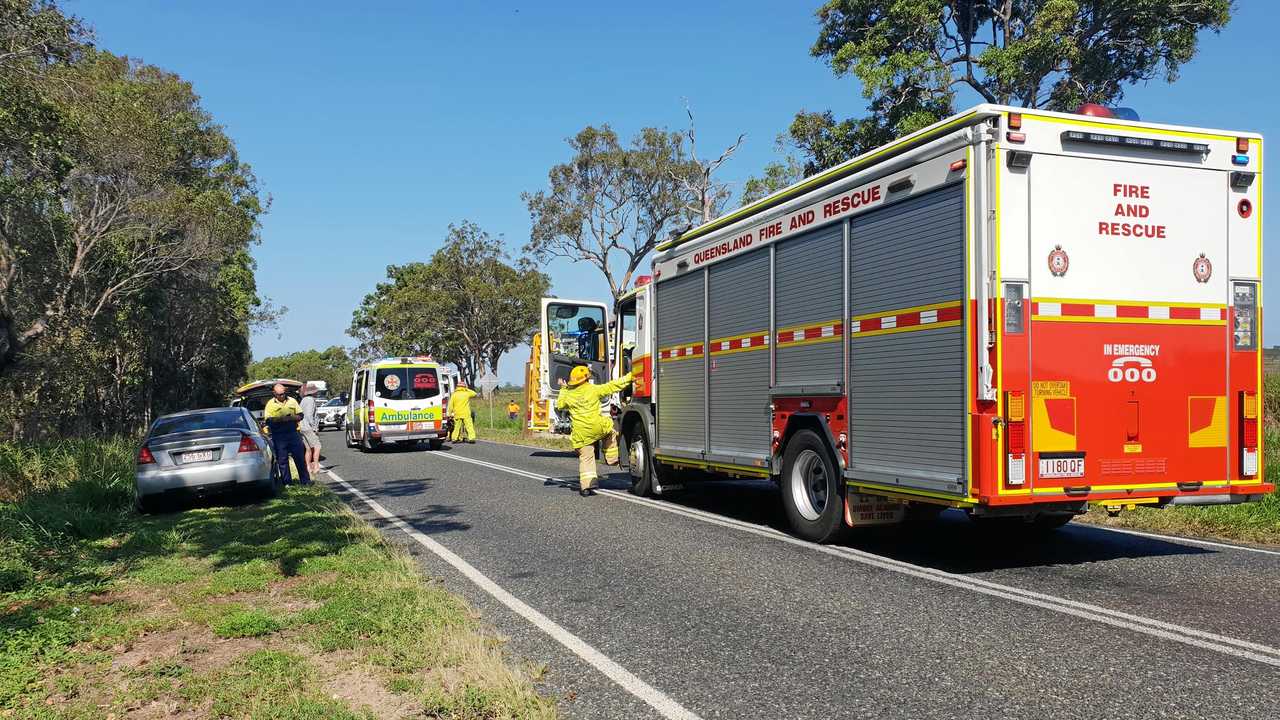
(1014, 312)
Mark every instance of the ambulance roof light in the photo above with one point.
(643, 280)
(1126, 113)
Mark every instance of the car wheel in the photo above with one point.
(351, 441)
(812, 491)
(435, 443)
(367, 444)
(639, 462)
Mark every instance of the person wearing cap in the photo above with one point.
(308, 428)
(464, 429)
(282, 416)
(581, 399)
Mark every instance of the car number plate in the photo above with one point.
(1068, 467)
(197, 456)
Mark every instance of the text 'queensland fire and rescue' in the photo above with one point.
(794, 222)
(1130, 204)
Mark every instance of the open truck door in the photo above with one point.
(574, 332)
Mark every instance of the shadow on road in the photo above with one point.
(951, 542)
(553, 454)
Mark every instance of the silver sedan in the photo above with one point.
(202, 452)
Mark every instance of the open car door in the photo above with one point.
(574, 332)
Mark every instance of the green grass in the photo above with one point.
(227, 611)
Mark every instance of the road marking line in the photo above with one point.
(1158, 628)
(659, 701)
(1177, 539)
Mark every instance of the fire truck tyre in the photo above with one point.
(639, 463)
(812, 493)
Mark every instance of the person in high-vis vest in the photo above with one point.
(464, 430)
(581, 399)
(282, 416)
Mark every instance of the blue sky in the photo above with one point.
(372, 131)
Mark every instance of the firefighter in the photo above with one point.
(464, 429)
(581, 399)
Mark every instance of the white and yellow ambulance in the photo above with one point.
(397, 400)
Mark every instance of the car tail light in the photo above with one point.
(1015, 121)
(1242, 145)
(247, 444)
(145, 457)
(1015, 407)
(1248, 434)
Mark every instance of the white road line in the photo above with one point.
(659, 701)
(1169, 631)
(1177, 539)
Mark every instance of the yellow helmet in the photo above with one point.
(579, 375)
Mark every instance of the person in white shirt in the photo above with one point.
(309, 429)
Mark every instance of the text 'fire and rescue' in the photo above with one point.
(1129, 205)
(796, 221)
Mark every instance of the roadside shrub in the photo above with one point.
(15, 573)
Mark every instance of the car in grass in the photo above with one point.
(332, 414)
(203, 452)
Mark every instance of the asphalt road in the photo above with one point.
(701, 600)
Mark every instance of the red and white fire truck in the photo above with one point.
(1015, 312)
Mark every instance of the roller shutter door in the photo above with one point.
(681, 423)
(809, 291)
(738, 325)
(907, 375)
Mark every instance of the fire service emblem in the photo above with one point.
(1058, 261)
(1202, 268)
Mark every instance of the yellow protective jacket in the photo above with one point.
(460, 402)
(583, 404)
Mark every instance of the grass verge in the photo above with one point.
(293, 608)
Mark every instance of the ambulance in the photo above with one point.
(1012, 312)
(397, 400)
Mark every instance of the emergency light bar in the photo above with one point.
(1152, 143)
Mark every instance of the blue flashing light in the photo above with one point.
(1126, 113)
(1240, 159)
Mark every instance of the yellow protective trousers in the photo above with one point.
(463, 428)
(587, 460)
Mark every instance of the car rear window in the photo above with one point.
(406, 383)
(336, 402)
(228, 420)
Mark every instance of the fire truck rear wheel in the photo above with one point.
(812, 493)
(639, 463)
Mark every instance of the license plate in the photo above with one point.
(1069, 467)
(197, 456)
